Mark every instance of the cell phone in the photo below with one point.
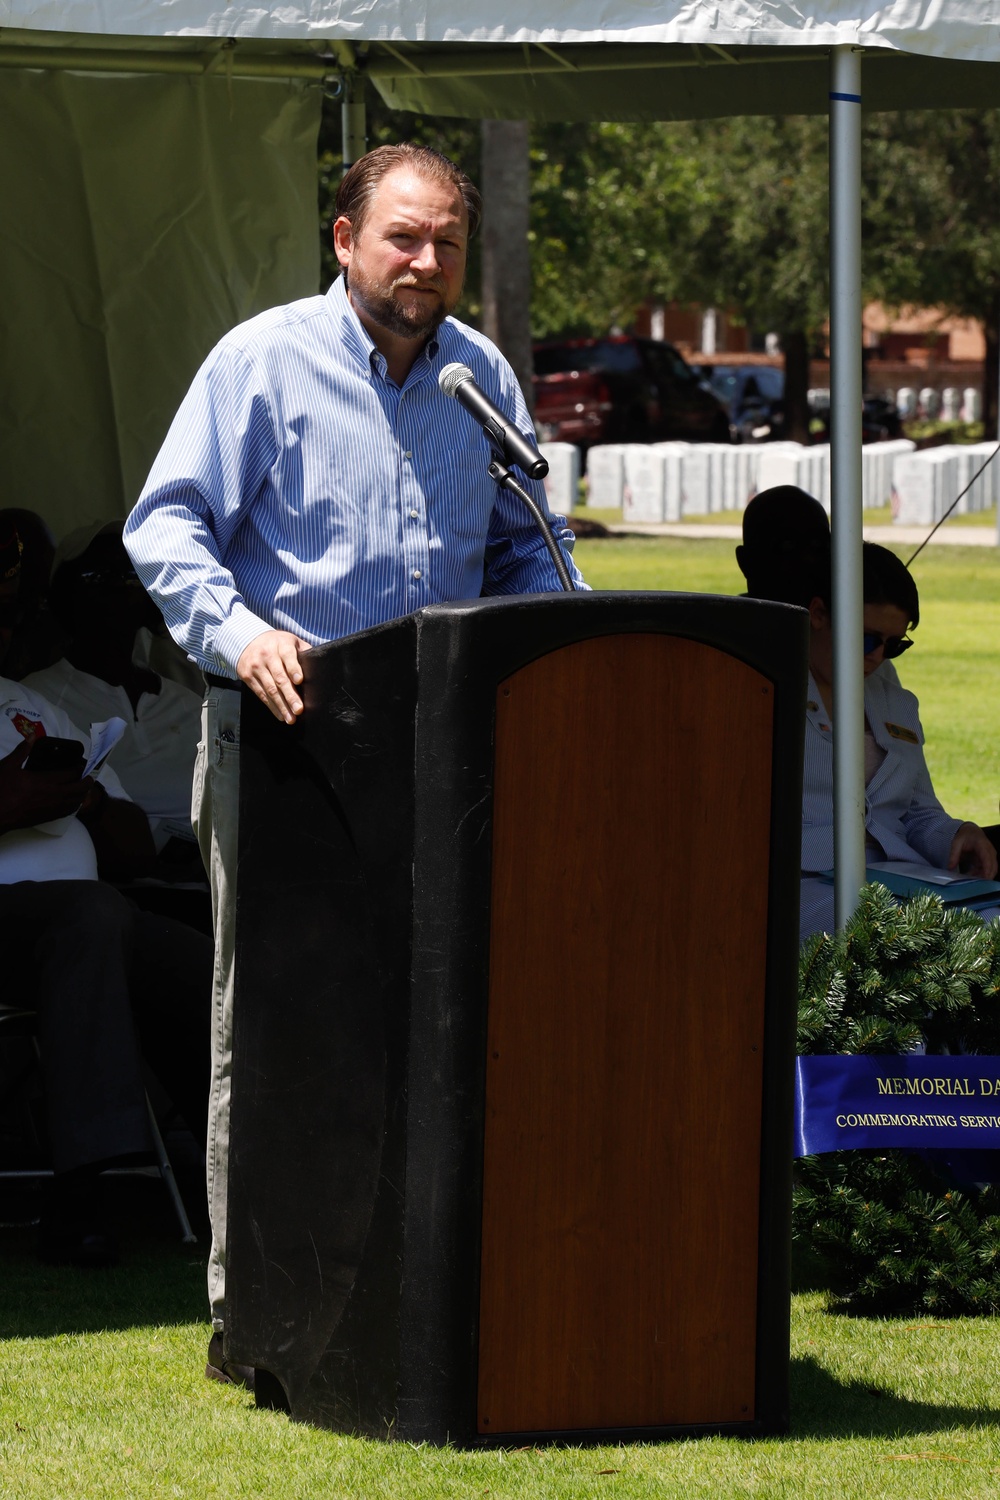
(52, 754)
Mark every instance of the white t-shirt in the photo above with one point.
(154, 759)
(62, 849)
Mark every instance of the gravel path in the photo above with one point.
(957, 536)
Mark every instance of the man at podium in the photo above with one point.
(316, 482)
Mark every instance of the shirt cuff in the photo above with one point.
(233, 637)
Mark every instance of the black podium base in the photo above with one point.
(517, 955)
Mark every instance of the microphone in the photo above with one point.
(458, 381)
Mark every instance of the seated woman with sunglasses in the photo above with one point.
(903, 818)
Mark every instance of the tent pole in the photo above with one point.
(845, 464)
(353, 120)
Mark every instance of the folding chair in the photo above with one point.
(21, 1021)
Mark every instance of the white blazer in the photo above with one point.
(901, 810)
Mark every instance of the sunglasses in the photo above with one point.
(892, 645)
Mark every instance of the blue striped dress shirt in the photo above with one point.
(299, 488)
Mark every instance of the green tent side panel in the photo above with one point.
(142, 217)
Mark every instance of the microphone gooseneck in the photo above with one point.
(510, 447)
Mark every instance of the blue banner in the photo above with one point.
(910, 1102)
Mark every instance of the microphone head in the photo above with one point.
(452, 376)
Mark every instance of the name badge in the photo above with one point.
(900, 732)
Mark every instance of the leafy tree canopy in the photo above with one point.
(734, 213)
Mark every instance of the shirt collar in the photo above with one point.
(358, 341)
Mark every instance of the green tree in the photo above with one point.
(761, 229)
(734, 213)
(611, 224)
(933, 218)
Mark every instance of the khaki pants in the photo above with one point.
(215, 815)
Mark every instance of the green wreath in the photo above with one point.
(891, 1234)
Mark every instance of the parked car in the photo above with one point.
(753, 396)
(879, 418)
(621, 390)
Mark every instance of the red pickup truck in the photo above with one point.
(622, 390)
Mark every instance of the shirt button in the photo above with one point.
(417, 573)
(415, 514)
(407, 453)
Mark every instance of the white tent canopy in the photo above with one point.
(963, 29)
(670, 61)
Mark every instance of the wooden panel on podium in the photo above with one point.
(621, 1175)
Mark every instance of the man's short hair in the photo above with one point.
(785, 554)
(887, 580)
(784, 514)
(360, 182)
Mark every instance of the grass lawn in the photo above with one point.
(879, 517)
(883, 517)
(102, 1395)
(954, 669)
(101, 1386)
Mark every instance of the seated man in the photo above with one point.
(102, 975)
(101, 606)
(784, 531)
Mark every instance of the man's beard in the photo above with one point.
(411, 321)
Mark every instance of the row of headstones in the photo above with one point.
(951, 404)
(927, 483)
(663, 482)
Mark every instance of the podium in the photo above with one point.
(517, 942)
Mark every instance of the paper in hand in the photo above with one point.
(103, 739)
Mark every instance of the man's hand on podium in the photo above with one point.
(270, 665)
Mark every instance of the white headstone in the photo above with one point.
(930, 401)
(925, 483)
(673, 477)
(951, 403)
(696, 479)
(906, 401)
(733, 476)
(644, 483)
(719, 470)
(985, 490)
(606, 476)
(877, 460)
(972, 404)
(779, 463)
(562, 482)
(747, 468)
(816, 473)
